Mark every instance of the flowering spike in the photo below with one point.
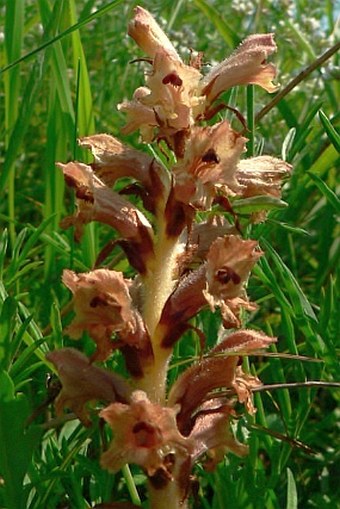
(182, 264)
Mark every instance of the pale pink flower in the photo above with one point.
(103, 306)
(247, 65)
(145, 434)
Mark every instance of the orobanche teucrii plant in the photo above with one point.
(186, 247)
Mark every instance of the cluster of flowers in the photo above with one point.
(181, 265)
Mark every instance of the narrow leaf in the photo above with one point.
(330, 195)
(16, 446)
(332, 134)
(291, 491)
(256, 203)
(7, 324)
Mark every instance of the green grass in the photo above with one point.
(64, 67)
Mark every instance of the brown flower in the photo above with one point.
(208, 165)
(177, 95)
(219, 369)
(82, 382)
(103, 305)
(168, 102)
(211, 166)
(113, 160)
(97, 202)
(219, 282)
(145, 434)
(229, 262)
(165, 440)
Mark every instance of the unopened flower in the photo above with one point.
(149, 36)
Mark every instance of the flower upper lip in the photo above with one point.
(149, 36)
(245, 66)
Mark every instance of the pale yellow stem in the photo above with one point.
(158, 284)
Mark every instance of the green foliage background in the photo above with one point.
(64, 67)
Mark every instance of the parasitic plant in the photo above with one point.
(187, 250)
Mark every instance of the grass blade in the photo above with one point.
(330, 195)
(97, 14)
(291, 491)
(332, 134)
(228, 34)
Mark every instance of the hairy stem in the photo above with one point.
(158, 285)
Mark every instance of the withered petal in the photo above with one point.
(262, 175)
(243, 385)
(231, 309)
